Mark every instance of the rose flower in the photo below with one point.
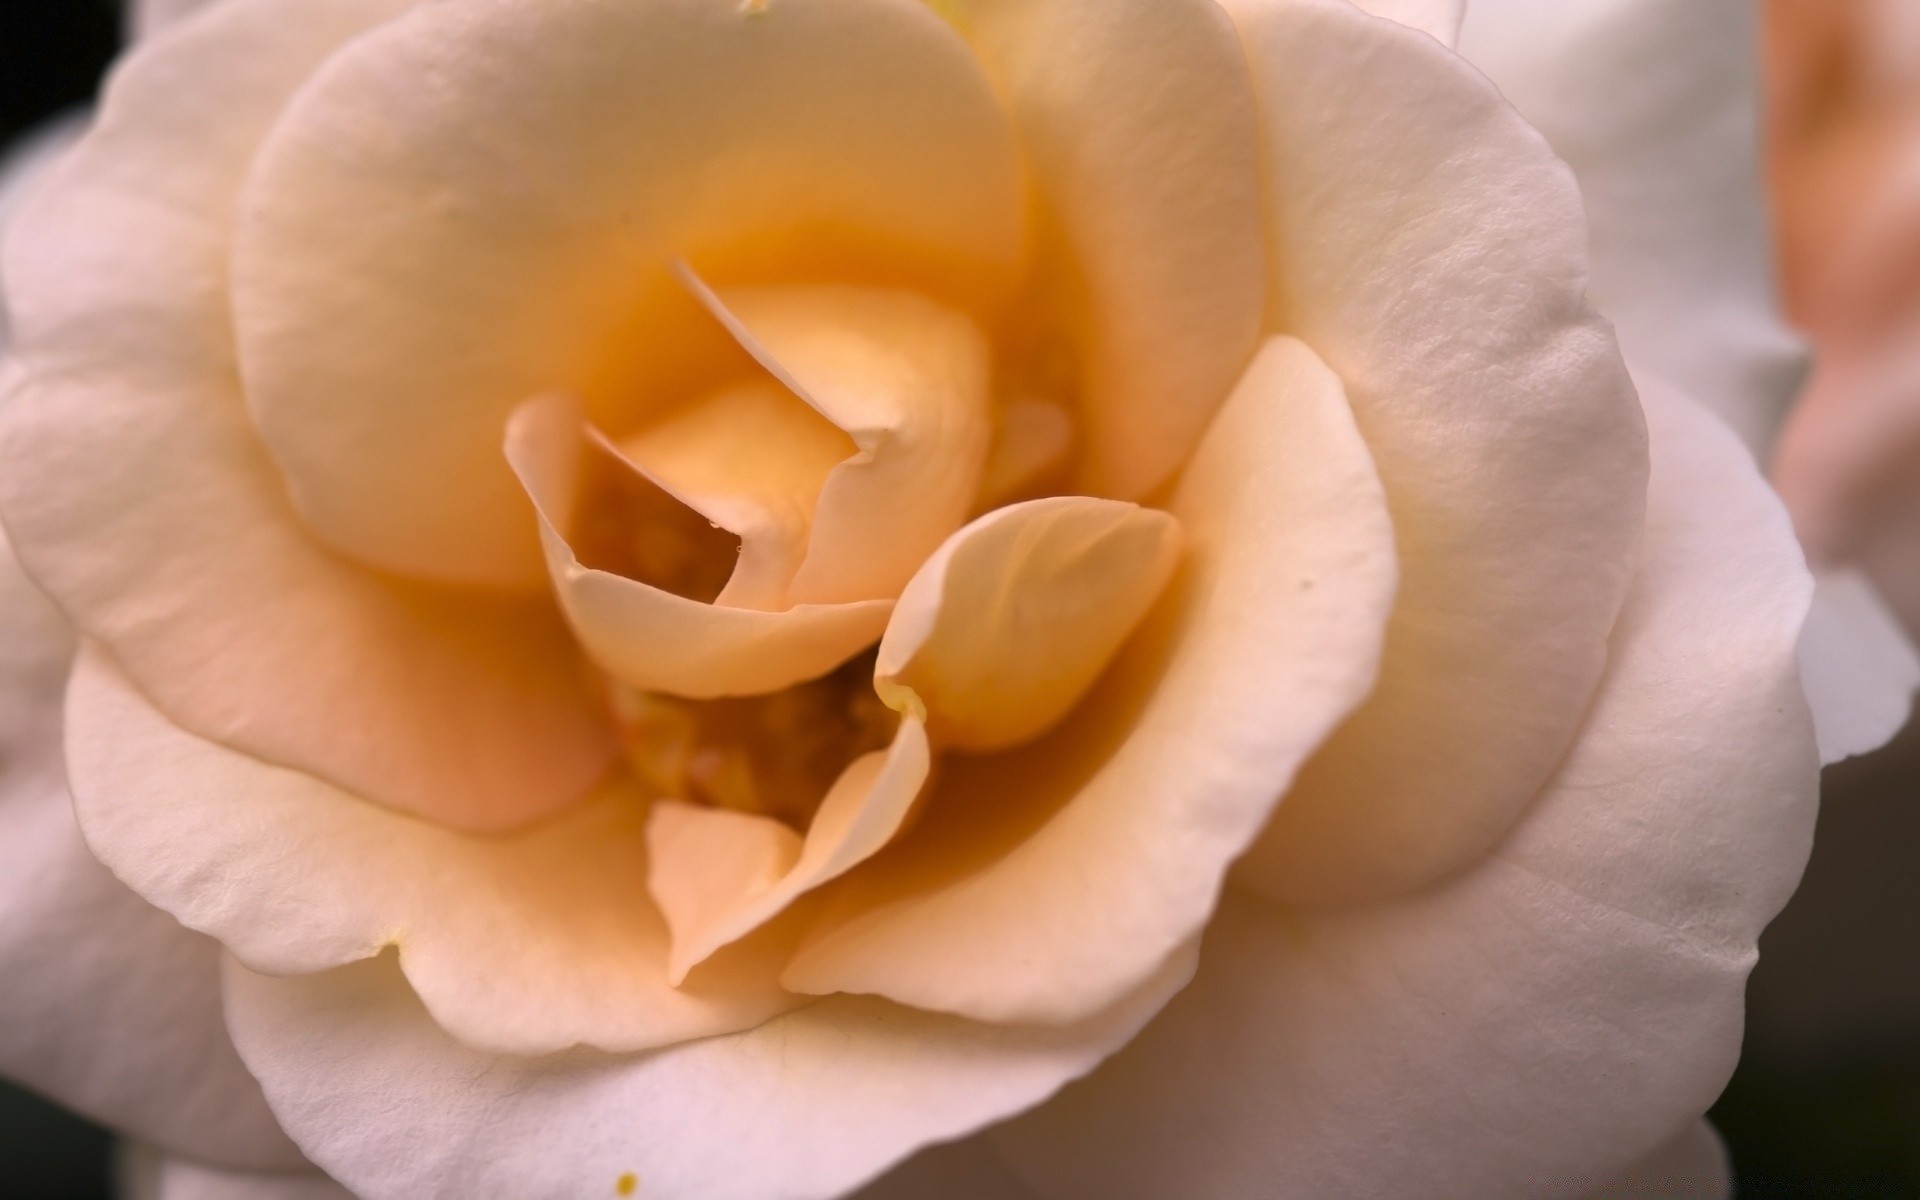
(688, 598)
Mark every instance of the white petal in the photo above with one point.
(524, 943)
(1427, 245)
(806, 1107)
(1539, 1023)
(149, 1174)
(1656, 106)
(1860, 668)
(110, 1007)
(1441, 18)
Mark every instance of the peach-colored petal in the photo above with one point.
(482, 201)
(1440, 18)
(906, 378)
(751, 459)
(139, 498)
(1538, 1023)
(652, 639)
(1428, 245)
(806, 1107)
(1031, 442)
(1008, 625)
(719, 875)
(1137, 118)
(1043, 883)
(524, 944)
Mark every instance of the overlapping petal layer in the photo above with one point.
(147, 1174)
(806, 1107)
(1428, 245)
(1043, 883)
(650, 638)
(139, 497)
(524, 944)
(439, 254)
(1424, 1046)
(1137, 119)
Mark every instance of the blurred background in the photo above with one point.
(1826, 1102)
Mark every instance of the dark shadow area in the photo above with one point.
(51, 56)
(47, 1154)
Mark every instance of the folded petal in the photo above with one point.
(149, 1174)
(139, 497)
(1137, 118)
(719, 875)
(1426, 243)
(1859, 667)
(111, 1007)
(1434, 1045)
(1043, 883)
(1007, 626)
(906, 378)
(806, 1107)
(525, 943)
(438, 257)
(1656, 105)
(650, 638)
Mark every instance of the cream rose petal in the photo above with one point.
(1670, 172)
(111, 1007)
(1436, 1045)
(719, 875)
(1007, 626)
(1042, 884)
(147, 1174)
(439, 255)
(652, 639)
(1137, 118)
(806, 1107)
(138, 496)
(525, 944)
(1426, 243)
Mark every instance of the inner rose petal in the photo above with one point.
(1008, 625)
(650, 638)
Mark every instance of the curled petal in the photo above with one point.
(419, 257)
(138, 495)
(907, 380)
(806, 1107)
(719, 875)
(652, 639)
(1429, 246)
(1440, 18)
(522, 944)
(1152, 190)
(1042, 883)
(1008, 625)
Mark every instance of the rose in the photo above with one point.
(1845, 101)
(1321, 293)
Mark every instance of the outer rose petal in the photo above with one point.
(1433, 1046)
(1441, 18)
(437, 255)
(1137, 119)
(138, 495)
(1692, 1166)
(523, 944)
(1859, 669)
(805, 1107)
(1656, 106)
(1042, 884)
(147, 1174)
(1428, 246)
(110, 1006)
